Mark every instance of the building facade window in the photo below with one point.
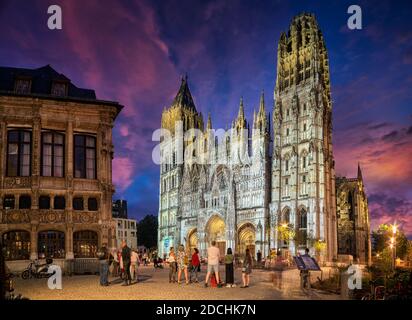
(18, 153)
(22, 86)
(92, 204)
(78, 203)
(84, 157)
(9, 202)
(44, 202)
(51, 244)
(24, 202)
(59, 89)
(52, 160)
(59, 203)
(302, 226)
(85, 244)
(16, 245)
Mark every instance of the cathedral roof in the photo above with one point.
(184, 97)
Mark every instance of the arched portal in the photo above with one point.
(246, 239)
(192, 239)
(215, 231)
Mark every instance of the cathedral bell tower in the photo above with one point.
(303, 185)
(177, 120)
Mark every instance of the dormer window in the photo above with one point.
(59, 89)
(22, 86)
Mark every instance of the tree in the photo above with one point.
(147, 232)
(381, 238)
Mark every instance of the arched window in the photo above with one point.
(16, 245)
(303, 219)
(85, 244)
(286, 216)
(51, 244)
(302, 225)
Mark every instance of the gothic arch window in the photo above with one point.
(302, 226)
(285, 216)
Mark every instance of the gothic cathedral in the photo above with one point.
(257, 188)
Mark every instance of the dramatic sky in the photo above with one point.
(135, 52)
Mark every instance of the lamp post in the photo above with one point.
(393, 243)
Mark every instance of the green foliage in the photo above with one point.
(147, 232)
(381, 238)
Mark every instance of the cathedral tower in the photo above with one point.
(177, 120)
(303, 186)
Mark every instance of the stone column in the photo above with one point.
(33, 242)
(69, 242)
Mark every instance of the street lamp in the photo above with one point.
(393, 243)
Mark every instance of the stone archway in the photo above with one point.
(216, 231)
(192, 240)
(247, 239)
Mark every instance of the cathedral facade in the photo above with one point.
(252, 186)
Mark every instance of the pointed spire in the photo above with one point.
(241, 113)
(184, 97)
(262, 103)
(241, 120)
(209, 122)
(360, 178)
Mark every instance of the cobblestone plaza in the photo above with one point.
(153, 285)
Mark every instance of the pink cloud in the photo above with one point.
(122, 172)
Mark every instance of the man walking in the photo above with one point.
(126, 257)
(103, 256)
(213, 258)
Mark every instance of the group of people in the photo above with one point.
(189, 265)
(180, 263)
(123, 262)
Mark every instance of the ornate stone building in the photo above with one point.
(243, 189)
(55, 166)
(354, 237)
(303, 180)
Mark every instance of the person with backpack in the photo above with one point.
(126, 258)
